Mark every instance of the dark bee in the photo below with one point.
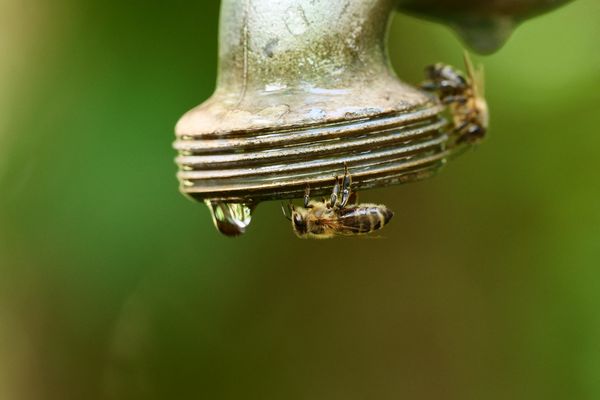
(463, 95)
(335, 217)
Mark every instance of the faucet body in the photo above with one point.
(303, 88)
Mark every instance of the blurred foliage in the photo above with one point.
(112, 285)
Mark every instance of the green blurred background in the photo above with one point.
(114, 286)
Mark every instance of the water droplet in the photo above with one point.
(231, 219)
(484, 25)
(485, 35)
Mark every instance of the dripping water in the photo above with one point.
(485, 35)
(231, 219)
(483, 25)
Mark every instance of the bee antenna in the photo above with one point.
(283, 207)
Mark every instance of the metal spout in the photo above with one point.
(304, 88)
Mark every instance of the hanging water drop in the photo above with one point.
(483, 25)
(231, 219)
(485, 35)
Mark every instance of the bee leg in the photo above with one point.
(347, 181)
(307, 197)
(429, 86)
(454, 99)
(334, 194)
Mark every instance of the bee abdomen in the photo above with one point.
(364, 218)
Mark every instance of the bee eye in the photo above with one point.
(477, 130)
(299, 223)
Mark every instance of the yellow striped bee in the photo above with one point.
(464, 96)
(335, 217)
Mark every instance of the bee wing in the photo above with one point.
(480, 84)
(333, 224)
(476, 77)
(341, 227)
(336, 226)
(469, 66)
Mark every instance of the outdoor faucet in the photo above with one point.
(304, 88)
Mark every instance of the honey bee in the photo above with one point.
(464, 96)
(336, 217)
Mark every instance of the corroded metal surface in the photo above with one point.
(304, 87)
(279, 164)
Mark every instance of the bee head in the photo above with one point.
(474, 134)
(299, 221)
